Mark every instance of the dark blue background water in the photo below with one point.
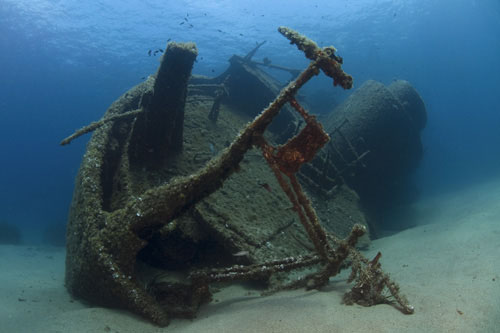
(63, 62)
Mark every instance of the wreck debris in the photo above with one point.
(329, 169)
(250, 54)
(220, 93)
(370, 283)
(96, 124)
(158, 131)
(267, 63)
(104, 240)
(325, 58)
(376, 148)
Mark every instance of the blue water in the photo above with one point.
(62, 63)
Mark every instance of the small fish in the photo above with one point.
(149, 53)
(219, 30)
(168, 40)
(186, 19)
(267, 187)
(160, 50)
(182, 23)
(241, 254)
(212, 149)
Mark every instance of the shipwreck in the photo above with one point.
(188, 181)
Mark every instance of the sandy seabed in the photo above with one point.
(448, 267)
